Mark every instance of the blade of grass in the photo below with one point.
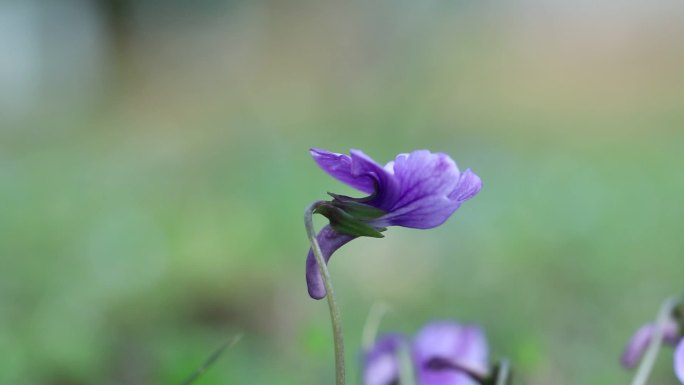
(212, 359)
(370, 328)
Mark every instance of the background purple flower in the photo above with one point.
(442, 354)
(637, 345)
(640, 340)
(442, 349)
(381, 364)
(418, 190)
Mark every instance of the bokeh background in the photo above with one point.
(154, 171)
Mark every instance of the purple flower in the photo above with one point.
(381, 364)
(640, 340)
(418, 190)
(443, 353)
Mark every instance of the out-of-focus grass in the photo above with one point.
(138, 236)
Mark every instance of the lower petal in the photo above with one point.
(445, 377)
(329, 241)
(679, 361)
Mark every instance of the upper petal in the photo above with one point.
(381, 363)
(340, 167)
(361, 172)
(387, 189)
(462, 346)
(431, 188)
(679, 361)
(329, 241)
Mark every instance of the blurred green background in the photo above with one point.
(154, 171)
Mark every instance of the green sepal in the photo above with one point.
(345, 223)
(678, 315)
(345, 198)
(357, 209)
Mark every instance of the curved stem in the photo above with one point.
(654, 344)
(330, 295)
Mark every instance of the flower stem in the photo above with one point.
(330, 295)
(656, 341)
(504, 372)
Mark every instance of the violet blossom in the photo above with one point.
(419, 190)
(442, 353)
(638, 344)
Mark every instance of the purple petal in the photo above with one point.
(339, 166)
(431, 189)
(380, 363)
(637, 345)
(679, 361)
(329, 241)
(469, 184)
(360, 172)
(387, 188)
(456, 346)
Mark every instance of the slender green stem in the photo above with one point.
(655, 343)
(330, 295)
(504, 372)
